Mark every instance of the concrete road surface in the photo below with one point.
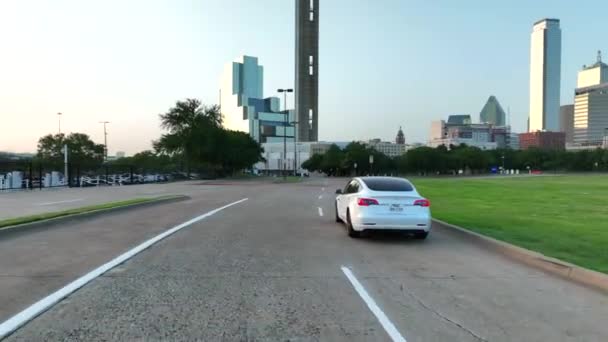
(274, 268)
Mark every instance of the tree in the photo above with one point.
(196, 136)
(193, 130)
(332, 161)
(240, 151)
(313, 164)
(356, 153)
(82, 150)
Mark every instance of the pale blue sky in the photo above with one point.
(382, 63)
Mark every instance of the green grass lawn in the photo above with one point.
(565, 217)
(5, 224)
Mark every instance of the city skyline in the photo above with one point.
(128, 74)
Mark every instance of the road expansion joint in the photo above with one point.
(442, 316)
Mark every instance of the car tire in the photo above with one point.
(349, 227)
(421, 236)
(338, 219)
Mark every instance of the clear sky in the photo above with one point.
(382, 63)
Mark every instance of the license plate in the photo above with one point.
(396, 209)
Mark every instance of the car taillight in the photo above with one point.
(422, 203)
(366, 202)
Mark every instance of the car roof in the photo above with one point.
(381, 178)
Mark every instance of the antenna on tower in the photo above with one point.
(599, 56)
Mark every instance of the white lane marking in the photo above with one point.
(320, 211)
(320, 196)
(18, 320)
(60, 202)
(371, 304)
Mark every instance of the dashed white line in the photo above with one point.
(60, 202)
(18, 320)
(320, 196)
(386, 323)
(320, 211)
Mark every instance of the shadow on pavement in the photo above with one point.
(391, 237)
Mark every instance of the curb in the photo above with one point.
(48, 223)
(551, 265)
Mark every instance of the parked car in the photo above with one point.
(383, 203)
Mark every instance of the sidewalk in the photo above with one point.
(30, 202)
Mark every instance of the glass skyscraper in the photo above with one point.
(244, 107)
(545, 75)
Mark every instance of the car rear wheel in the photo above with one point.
(338, 219)
(421, 236)
(349, 227)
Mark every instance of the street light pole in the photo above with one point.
(105, 139)
(285, 91)
(59, 117)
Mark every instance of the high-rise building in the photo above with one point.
(244, 107)
(591, 105)
(400, 139)
(492, 113)
(566, 121)
(545, 75)
(307, 69)
(459, 130)
(542, 140)
(594, 74)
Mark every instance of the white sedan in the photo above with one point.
(383, 203)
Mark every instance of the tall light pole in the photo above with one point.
(295, 147)
(105, 140)
(59, 117)
(285, 91)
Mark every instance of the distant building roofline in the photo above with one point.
(582, 90)
(546, 19)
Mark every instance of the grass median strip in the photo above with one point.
(565, 217)
(7, 223)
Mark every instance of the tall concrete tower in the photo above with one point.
(307, 69)
(545, 75)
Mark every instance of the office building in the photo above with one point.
(543, 140)
(594, 74)
(566, 122)
(307, 69)
(460, 130)
(387, 148)
(545, 76)
(513, 141)
(459, 119)
(274, 155)
(244, 107)
(591, 105)
(492, 113)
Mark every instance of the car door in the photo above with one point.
(349, 194)
(342, 200)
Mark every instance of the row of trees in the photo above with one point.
(195, 141)
(354, 159)
(196, 137)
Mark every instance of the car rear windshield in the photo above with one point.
(388, 184)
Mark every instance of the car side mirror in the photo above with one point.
(339, 192)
